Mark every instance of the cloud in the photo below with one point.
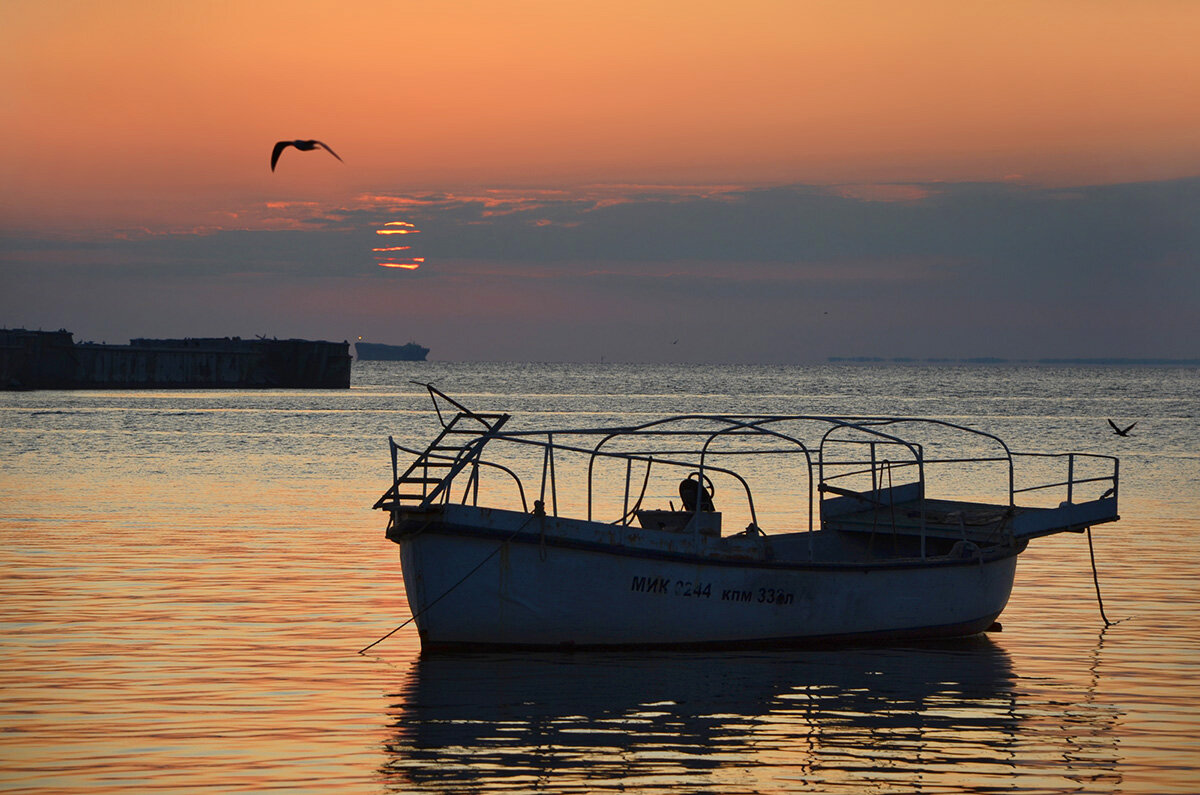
(983, 268)
(1106, 229)
(797, 224)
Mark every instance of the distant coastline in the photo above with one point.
(1125, 362)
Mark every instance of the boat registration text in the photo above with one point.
(664, 586)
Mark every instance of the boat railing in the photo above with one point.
(429, 477)
(875, 433)
(860, 456)
(472, 488)
(722, 428)
(461, 411)
(1072, 479)
(553, 448)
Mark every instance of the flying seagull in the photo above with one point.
(303, 146)
(1119, 431)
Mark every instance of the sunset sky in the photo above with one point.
(640, 181)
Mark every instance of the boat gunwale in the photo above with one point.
(428, 523)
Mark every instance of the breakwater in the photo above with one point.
(53, 360)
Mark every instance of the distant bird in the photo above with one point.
(1119, 431)
(303, 146)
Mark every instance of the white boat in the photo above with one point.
(572, 538)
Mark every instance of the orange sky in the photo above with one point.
(763, 180)
(149, 113)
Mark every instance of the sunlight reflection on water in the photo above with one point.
(187, 577)
(822, 721)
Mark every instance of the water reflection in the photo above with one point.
(882, 719)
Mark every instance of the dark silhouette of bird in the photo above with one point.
(303, 146)
(1119, 431)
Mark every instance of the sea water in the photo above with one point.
(187, 577)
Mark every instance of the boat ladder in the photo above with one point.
(428, 477)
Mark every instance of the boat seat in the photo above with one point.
(708, 523)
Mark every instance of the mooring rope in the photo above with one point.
(1096, 580)
(465, 577)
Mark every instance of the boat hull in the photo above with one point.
(478, 586)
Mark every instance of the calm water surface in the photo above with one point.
(187, 577)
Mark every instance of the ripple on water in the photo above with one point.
(187, 577)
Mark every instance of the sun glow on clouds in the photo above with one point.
(411, 265)
(493, 205)
(383, 256)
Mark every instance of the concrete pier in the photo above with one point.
(53, 360)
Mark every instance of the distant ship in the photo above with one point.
(377, 352)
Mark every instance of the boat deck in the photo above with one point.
(981, 523)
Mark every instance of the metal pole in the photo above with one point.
(628, 475)
(874, 479)
(553, 485)
(1070, 478)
